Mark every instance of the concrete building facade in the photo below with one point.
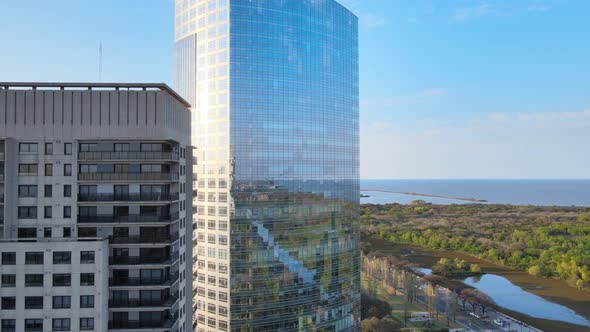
(95, 187)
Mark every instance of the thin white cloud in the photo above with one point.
(539, 116)
(371, 21)
(496, 8)
(483, 8)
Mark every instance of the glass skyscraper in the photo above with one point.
(274, 88)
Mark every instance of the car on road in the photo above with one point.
(499, 322)
(474, 315)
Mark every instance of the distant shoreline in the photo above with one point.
(473, 200)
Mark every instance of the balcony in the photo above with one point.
(164, 239)
(165, 323)
(131, 219)
(138, 282)
(127, 155)
(128, 197)
(128, 177)
(140, 260)
(166, 302)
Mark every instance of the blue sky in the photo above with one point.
(449, 89)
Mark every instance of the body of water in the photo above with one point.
(508, 295)
(515, 192)
(548, 304)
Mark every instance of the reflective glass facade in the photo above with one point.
(276, 119)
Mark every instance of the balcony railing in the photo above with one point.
(108, 219)
(140, 260)
(134, 303)
(165, 323)
(169, 281)
(127, 155)
(145, 239)
(128, 197)
(128, 176)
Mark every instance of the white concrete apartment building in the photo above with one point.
(95, 201)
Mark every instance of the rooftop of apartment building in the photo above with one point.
(90, 86)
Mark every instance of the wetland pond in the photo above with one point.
(548, 304)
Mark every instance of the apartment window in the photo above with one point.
(222, 311)
(223, 197)
(27, 169)
(33, 325)
(86, 324)
(27, 148)
(67, 190)
(87, 301)
(27, 191)
(8, 325)
(48, 190)
(48, 169)
(62, 280)
(211, 238)
(67, 149)
(211, 280)
(223, 226)
(223, 282)
(8, 303)
(222, 297)
(33, 302)
(67, 169)
(8, 280)
(211, 308)
(47, 232)
(62, 302)
(67, 232)
(34, 258)
(62, 257)
(47, 212)
(211, 224)
(33, 280)
(27, 233)
(27, 212)
(86, 147)
(48, 148)
(67, 212)
(61, 324)
(87, 257)
(223, 324)
(86, 279)
(8, 258)
(222, 239)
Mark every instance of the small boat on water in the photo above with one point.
(365, 195)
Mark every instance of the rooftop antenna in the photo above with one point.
(100, 62)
